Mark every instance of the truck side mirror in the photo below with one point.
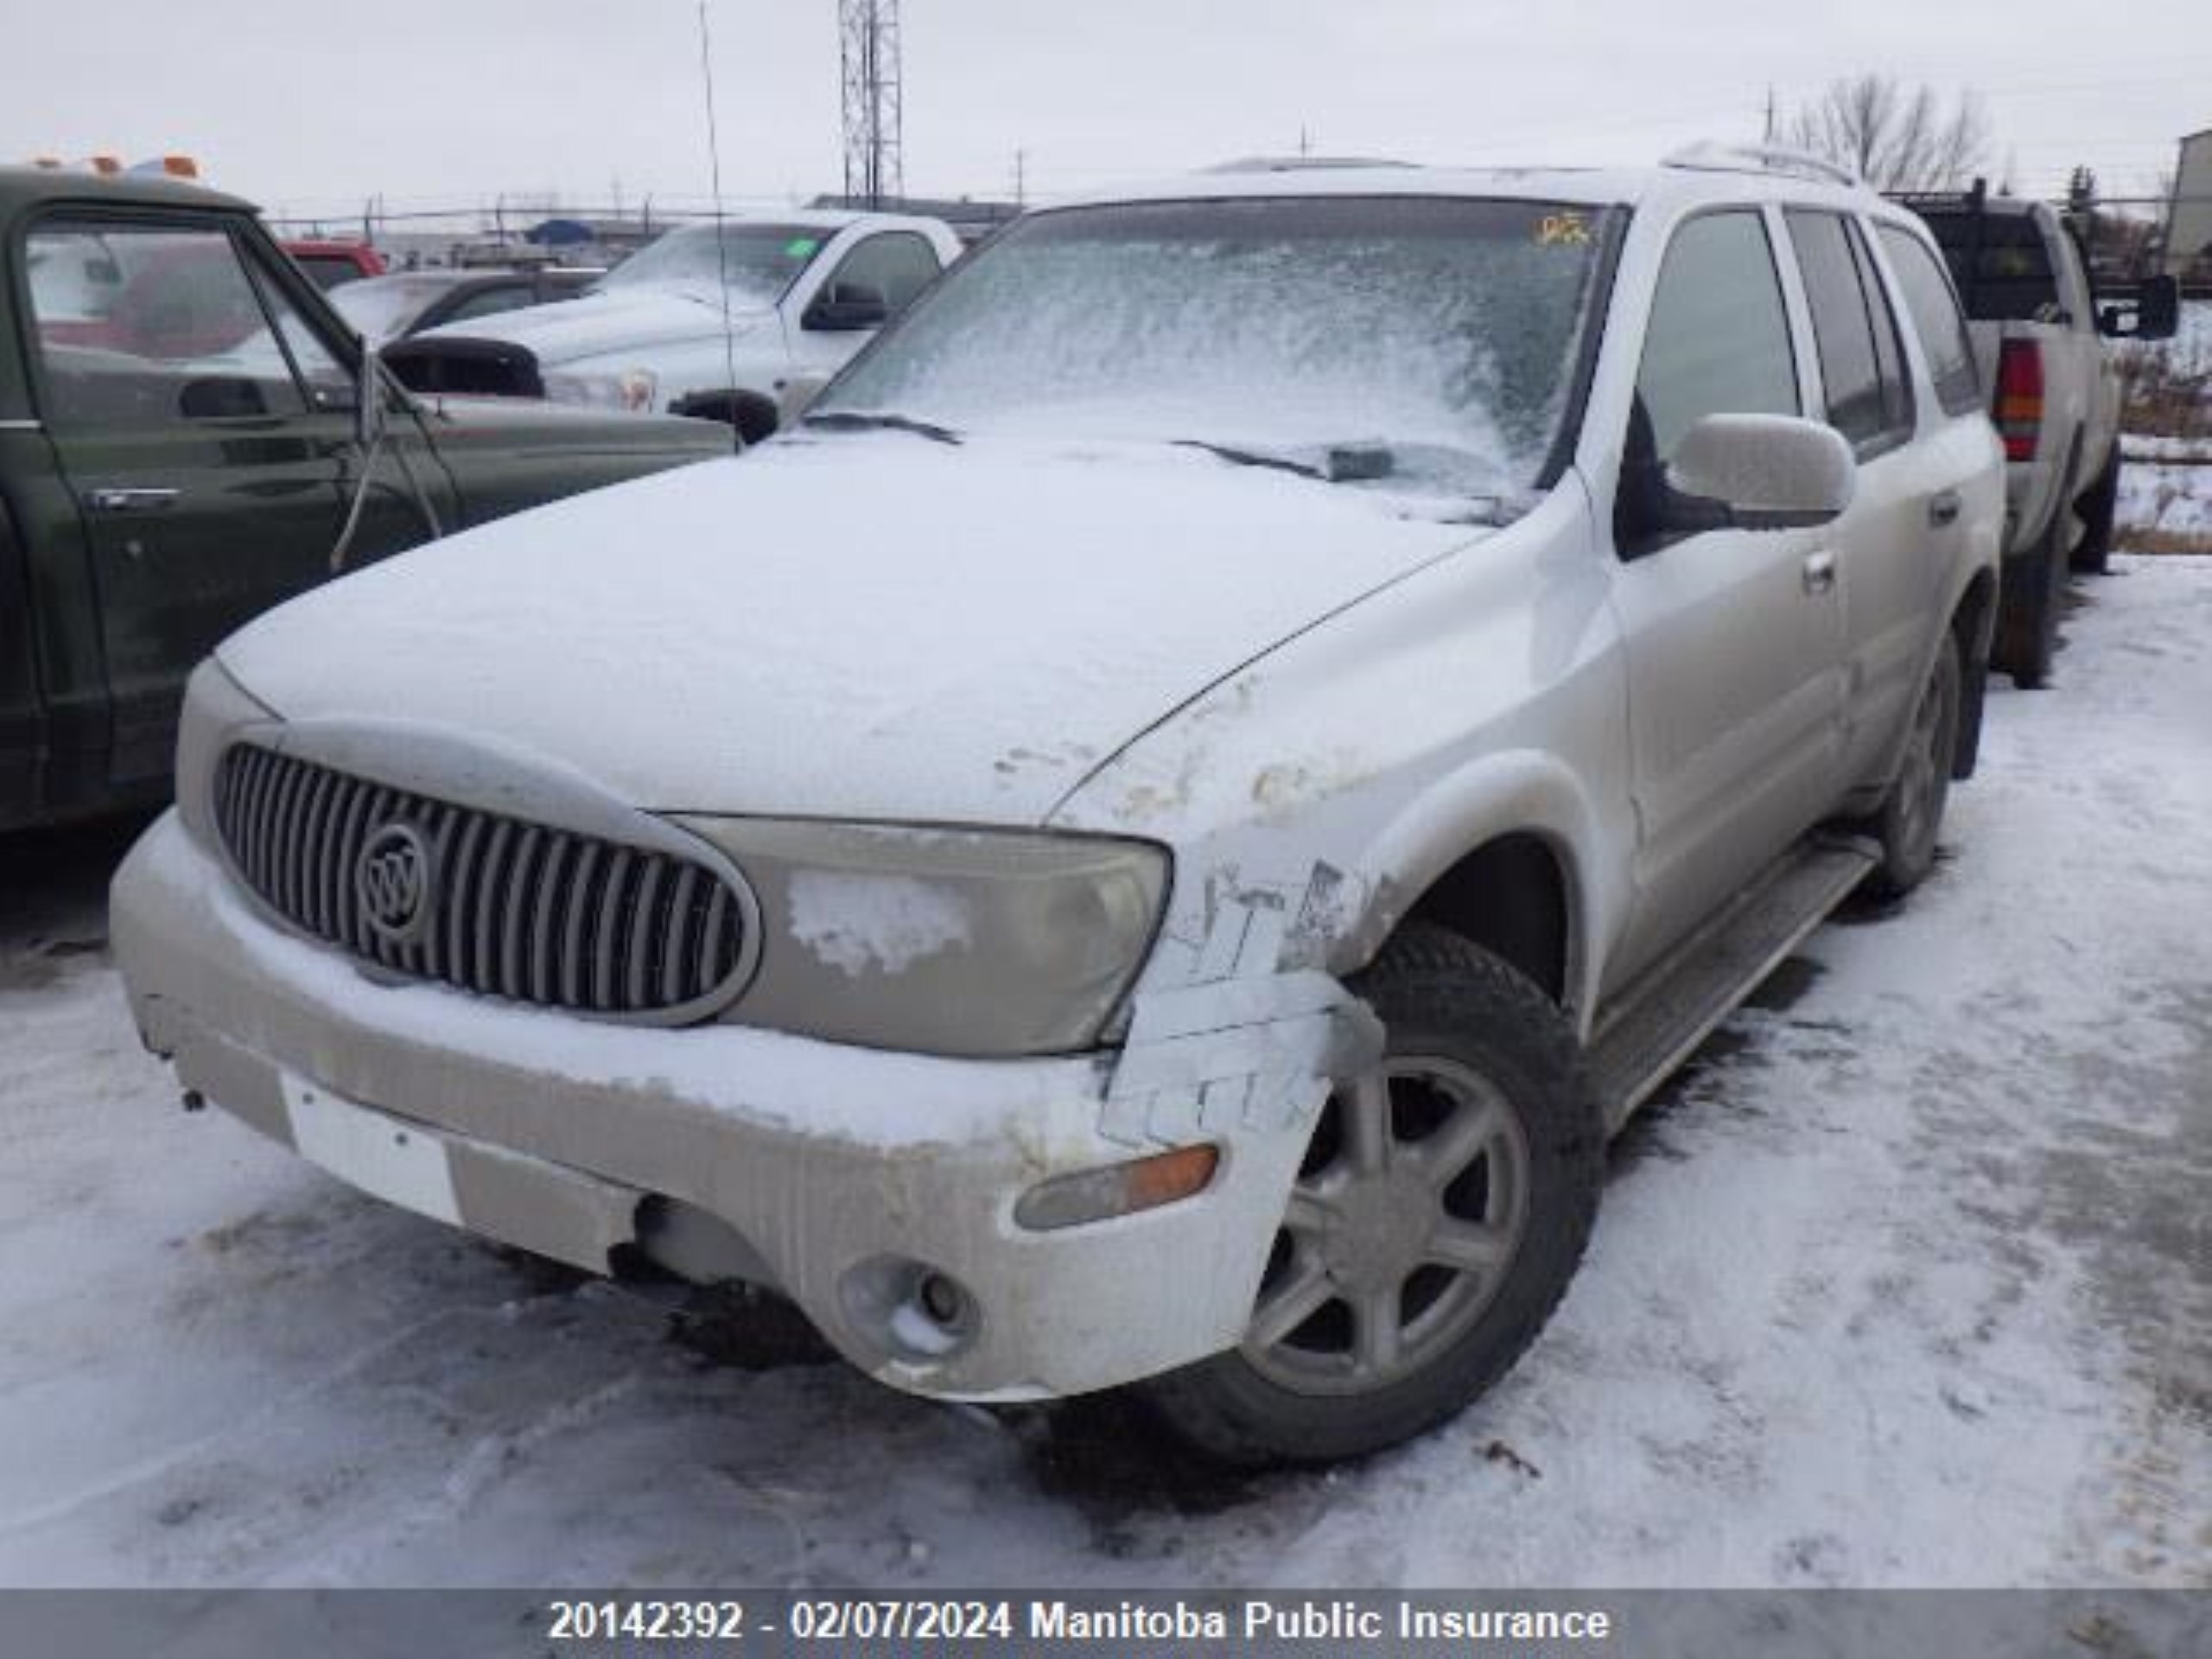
(2155, 314)
(848, 308)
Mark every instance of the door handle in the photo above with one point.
(1944, 510)
(131, 500)
(1820, 573)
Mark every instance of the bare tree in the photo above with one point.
(1895, 138)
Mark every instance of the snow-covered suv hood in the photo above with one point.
(594, 325)
(871, 626)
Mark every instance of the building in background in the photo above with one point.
(2189, 224)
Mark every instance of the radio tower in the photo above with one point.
(874, 173)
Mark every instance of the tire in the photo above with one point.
(1364, 1336)
(2027, 609)
(2099, 509)
(1912, 817)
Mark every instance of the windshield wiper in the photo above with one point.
(855, 421)
(1362, 463)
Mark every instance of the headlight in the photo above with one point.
(635, 390)
(974, 943)
(215, 707)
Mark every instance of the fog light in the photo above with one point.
(1121, 1190)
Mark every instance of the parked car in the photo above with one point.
(334, 265)
(182, 446)
(1154, 839)
(386, 308)
(2039, 329)
(742, 328)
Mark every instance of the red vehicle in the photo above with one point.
(332, 264)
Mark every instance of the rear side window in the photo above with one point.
(1718, 343)
(1936, 317)
(1862, 369)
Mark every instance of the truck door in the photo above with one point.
(1734, 638)
(205, 429)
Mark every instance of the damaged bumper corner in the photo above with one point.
(877, 1190)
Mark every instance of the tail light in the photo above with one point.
(2019, 397)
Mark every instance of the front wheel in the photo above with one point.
(1443, 1204)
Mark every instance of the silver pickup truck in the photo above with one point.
(1152, 840)
(2040, 330)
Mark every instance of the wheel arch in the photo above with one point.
(1508, 854)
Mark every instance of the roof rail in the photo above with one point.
(1713, 157)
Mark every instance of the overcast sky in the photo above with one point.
(312, 107)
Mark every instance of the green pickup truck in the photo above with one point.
(184, 442)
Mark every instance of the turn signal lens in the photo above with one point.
(1121, 1189)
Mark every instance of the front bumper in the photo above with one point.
(840, 1172)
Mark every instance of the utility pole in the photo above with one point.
(875, 149)
(1021, 178)
(1770, 128)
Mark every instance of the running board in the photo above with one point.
(1658, 1021)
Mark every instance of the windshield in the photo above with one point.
(760, 261)
(1433, 340)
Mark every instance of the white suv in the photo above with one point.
(1154, 839)
(741, 323)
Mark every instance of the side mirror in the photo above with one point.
(2156, 312)
(848, 308)
(1759, 472)
(369, 410)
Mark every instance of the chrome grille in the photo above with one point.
(513, 910)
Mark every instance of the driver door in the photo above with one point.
(205, 431)
(1734, 638)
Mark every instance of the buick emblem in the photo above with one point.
(392, 878)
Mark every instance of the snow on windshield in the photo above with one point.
(758, 261)
(1447, 330)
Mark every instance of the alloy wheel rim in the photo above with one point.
(1399, 1232)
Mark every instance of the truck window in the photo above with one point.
(1862, 371)
(2002, 269)
(1719, 342)
(146, 323)
(326, 381)
(1936, 317)
(898, 264)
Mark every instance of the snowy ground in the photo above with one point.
(1909, 1282)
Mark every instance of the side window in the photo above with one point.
(898, 264)
(151, 323)
(1897, 406)
(1719, 342)
(328, 383)
(490, 302)
(1937, 319)
(1862, 369)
